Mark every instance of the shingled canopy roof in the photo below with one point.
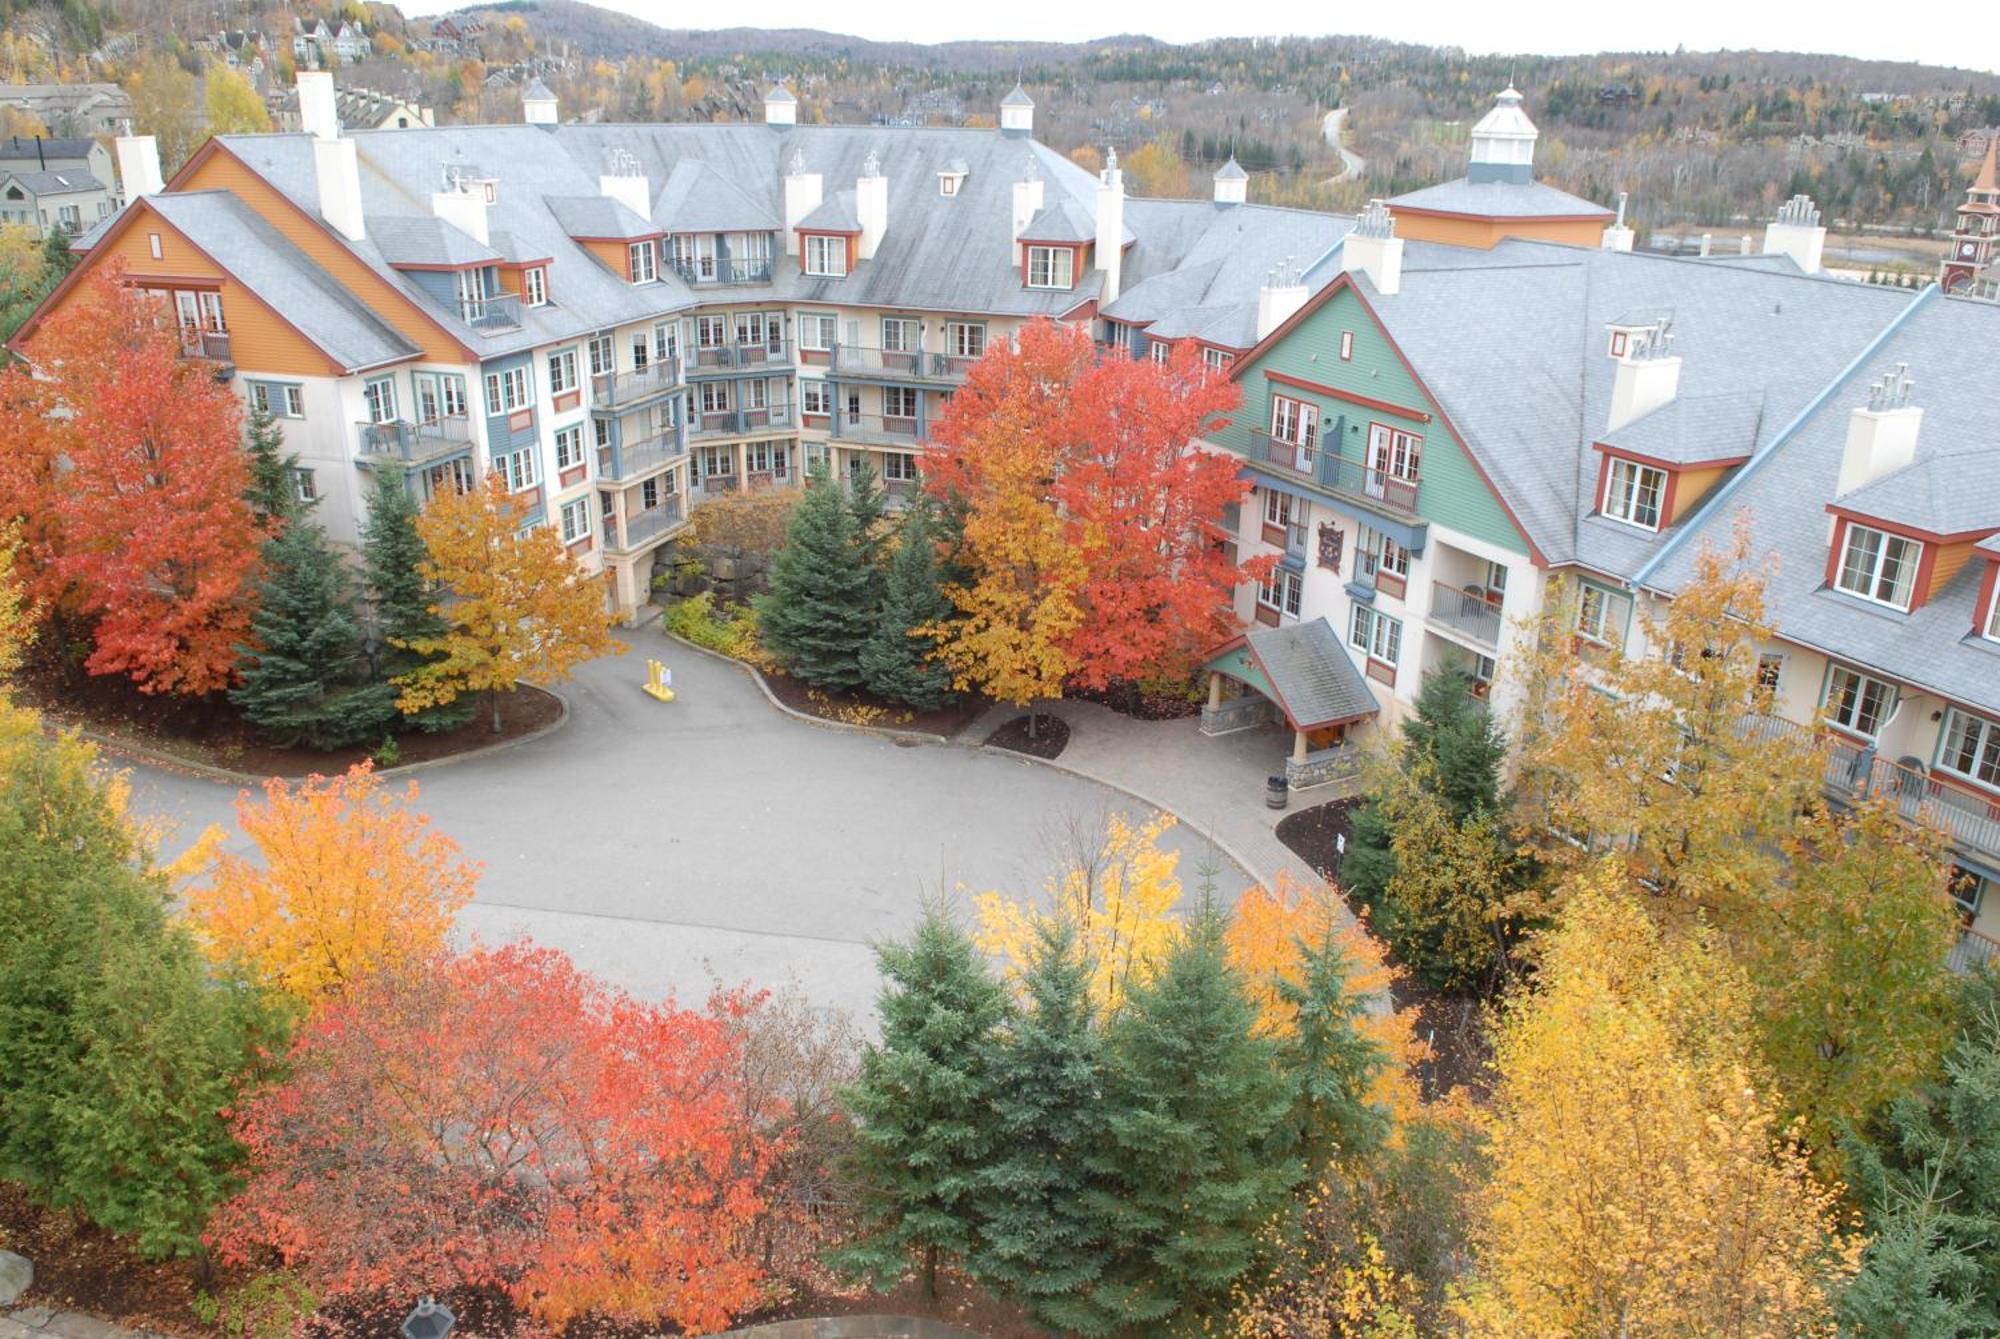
(1303, 668)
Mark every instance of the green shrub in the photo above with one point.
(734, 634)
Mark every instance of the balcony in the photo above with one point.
(414, 443)
(742, 422)
(1972, 952)
(613, 389)
(855, 360)
(492, 314)
(886, 429)
(1354, 478)
(210, 344)
(773, 354)
(641, 528)
(633, 460)
(1466, 613)
(720, 271)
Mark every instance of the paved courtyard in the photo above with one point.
(667, 847)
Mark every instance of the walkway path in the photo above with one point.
(714, 838)
(1334, 127)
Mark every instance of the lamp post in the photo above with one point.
(431, 1320)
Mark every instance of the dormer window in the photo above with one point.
(640, 259)
(1878, 566)
(1618, 343)
(1993, 615)
(1633, 493)
(826, 256)
(1971, 748)
(948, 183)
(1051, 267)
(535, 286)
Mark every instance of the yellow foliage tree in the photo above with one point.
(515, 605)
(1088, 157)
(232, 104)
(165, 105)
(349, 879)
(1640, 1182)
(1157, 169)
(1120, 894)
(17, 613)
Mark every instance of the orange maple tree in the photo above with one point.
(349, 879)
(128, 465)
(499, 1119)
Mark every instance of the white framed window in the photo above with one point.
(1993, 615)
(517, 469)
(1296, 422)
(1278, 507)
(1392, 454)
(380, 397)
(575, 520)
(1346, 346)
(965, 339)
(452, 396)
(1217, 360)
(569, 447)
(814, 397)
(711, 332)
(1051, 267)
(649, 496)
(899, 402)
(750, 329)
(899, 467)
(603, 355)
(535, 286)
(1971, 747)
(1633, 493)
(1602, 615)
(948, 183)
(666, 341)
(600, 433)
(756, 394)
(1770, 670)
(1281, 592)
(303, 487)
(714, 397)
(1878, 566)
(826, 256)
(1394, 559)
(1856, 703)
(562, 371)
(1376, 635)
(818, 331)
(1160, 351)
(278, 399)
(641, 262)
(506, 391)
(899, 334)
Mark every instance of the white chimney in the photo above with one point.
(871, 204)
(139, 165)
(319, 116)
(1027, 203)
(1743, 245)
(1707, 243)
(538, 105)
(781, 107)
(1648, 375)
(802, 196)
(337, 172)
(629, 187)
(1017, 113)
(1232, 183)
(1618, 237)
(1374, 249)
(1882, 434)
(1110, 246)
(463, 210)
(1796, 232)
(1282, 295)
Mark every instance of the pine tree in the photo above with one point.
(1043, 1238)
(897, 661)
(817, 615)
(305, 680)
(272, 497)
(1195, 1101)
(1331, 1065)
(391, 556)
(868, 505)
(923, 1107)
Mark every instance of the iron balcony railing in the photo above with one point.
(1466, 612)
(1973, 951)
(890, 428)
(898, 364)
(492, 313)
(210, 344)
(1355, 478)
(633, 459)
(610, 389)
(414, 443)
(642, 527)
(772, 353)
(723, 271)
(739, 422)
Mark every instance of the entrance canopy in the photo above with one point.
(1303, 669)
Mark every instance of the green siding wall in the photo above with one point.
(1452, 493)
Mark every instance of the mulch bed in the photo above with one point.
(1315, 835)
(860, 708)
(210, 732)
(79, 1267)
(1051, 737)
(1128, 699)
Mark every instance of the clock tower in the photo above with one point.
(1975, 242)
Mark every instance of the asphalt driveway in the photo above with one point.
(668, 847)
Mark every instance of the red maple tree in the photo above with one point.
(499, 1119)
(131, 468)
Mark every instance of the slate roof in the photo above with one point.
(23, 148)
(1944, 492)
(1690, 429)
(537, 91)
(696, 198)
(1499, 199)
(54, 183)
(1018, 98)
(1063, 221)
(598, 216)
(1231, 171)
(284, 278)
(426, 241)
(837, 213)
(1315, 680)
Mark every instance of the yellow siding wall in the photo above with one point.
(1690, 488)
(1485, 234)
(1950, 558)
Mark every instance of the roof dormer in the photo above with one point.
(951, 177)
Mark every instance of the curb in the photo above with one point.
(1235, 857)
(112, 746)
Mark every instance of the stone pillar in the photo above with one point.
(1299, 747)
(1214, 690)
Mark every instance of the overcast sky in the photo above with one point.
(1967, 35)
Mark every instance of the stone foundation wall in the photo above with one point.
(1323, 767)
(1241, 713)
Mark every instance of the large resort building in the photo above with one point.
(1448, 402)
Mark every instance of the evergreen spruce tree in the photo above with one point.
(1044, 1241)
(272, 496)
(896, 665)
(868, 506)
(1330, 1064)
(923, 1107)
(305, 681)
(401, 604)
(1195, 1103)
(820, 608)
